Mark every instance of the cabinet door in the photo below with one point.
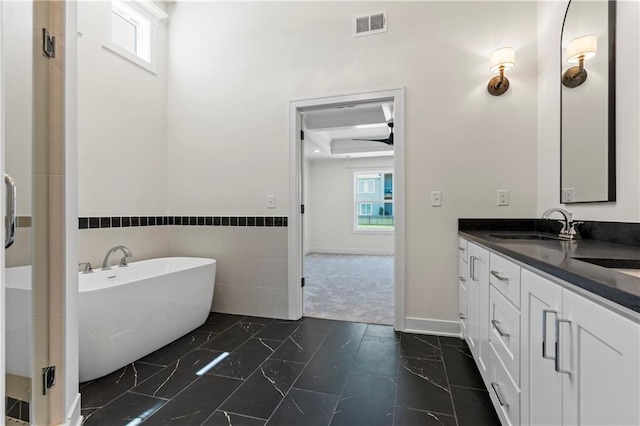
(478, 290)
(601, 350)
(541, 397)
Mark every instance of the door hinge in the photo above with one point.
(301, 135)
(301, 208)
(302, 282)
(48, 44)
(48, 378)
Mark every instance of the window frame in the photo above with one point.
(355, 209)
(142, 14)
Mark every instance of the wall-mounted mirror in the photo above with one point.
(588, 102)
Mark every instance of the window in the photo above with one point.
(131, 30)
(365, 209)
(365, 186)
(373, 201)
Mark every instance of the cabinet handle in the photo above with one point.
(472, 266)
(495, 324)
(461, 248)
(500, 277)
(462, 278)
(495, 385)
(557, 363)
(462, 317)
(544, 332)
(10, 218)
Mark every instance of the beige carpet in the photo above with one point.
(349, 287)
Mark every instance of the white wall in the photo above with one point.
(627, 206)
(122, 115)
(122, 142)
(229, 92)
(329, 202)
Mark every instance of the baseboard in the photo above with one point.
(432, 326)
(366, 251)
(74, 417)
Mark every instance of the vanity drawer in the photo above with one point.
(463, 249)
(504, 332)
(505, 276)
(463, 276)
(504, 394)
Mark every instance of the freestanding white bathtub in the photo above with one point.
(18, 320)
(127, 313)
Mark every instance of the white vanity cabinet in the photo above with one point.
(593, 377)
(552, 356)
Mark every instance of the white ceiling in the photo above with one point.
(330, 132)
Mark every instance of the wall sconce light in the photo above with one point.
(500, 60)
(579, 50)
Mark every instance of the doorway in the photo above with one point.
(347, 178)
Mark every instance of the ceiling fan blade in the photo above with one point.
(372, 140)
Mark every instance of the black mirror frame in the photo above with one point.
(611, 109)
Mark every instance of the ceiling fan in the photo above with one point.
(388, 141)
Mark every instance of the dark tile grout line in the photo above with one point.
(395, 395)
(446, 375)
(347, 380)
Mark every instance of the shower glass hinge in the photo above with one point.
(48, 378)
(48, 44)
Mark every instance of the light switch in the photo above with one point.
(503, 197)
(436, 199)
(271, 201)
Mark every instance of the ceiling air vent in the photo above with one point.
(371, 23)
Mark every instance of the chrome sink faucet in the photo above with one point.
(568, 231)
(106, 265)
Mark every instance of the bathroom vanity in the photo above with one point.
(554, 326)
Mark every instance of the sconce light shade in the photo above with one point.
(579, 50)
(500, 60)
(503, 57)
(585, 46)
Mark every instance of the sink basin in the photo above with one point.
(525, 237)
(612, 263)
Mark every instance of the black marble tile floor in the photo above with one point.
(294, 373)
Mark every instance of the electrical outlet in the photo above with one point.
(568, 195)
(503, 197)
(436, 199)
(271, 201)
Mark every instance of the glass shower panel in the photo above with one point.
(33, 79)
(17, 33)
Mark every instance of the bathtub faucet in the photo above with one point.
(86, 267)
(106, 265)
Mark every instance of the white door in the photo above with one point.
(478, 290)
(601, 350)
(541, 385)
(484, 350)
(473, 308)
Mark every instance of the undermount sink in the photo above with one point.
(612, 263)
(626, 266)
(525, 237)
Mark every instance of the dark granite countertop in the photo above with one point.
(558, 258)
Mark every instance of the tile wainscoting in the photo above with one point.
(252, 268)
